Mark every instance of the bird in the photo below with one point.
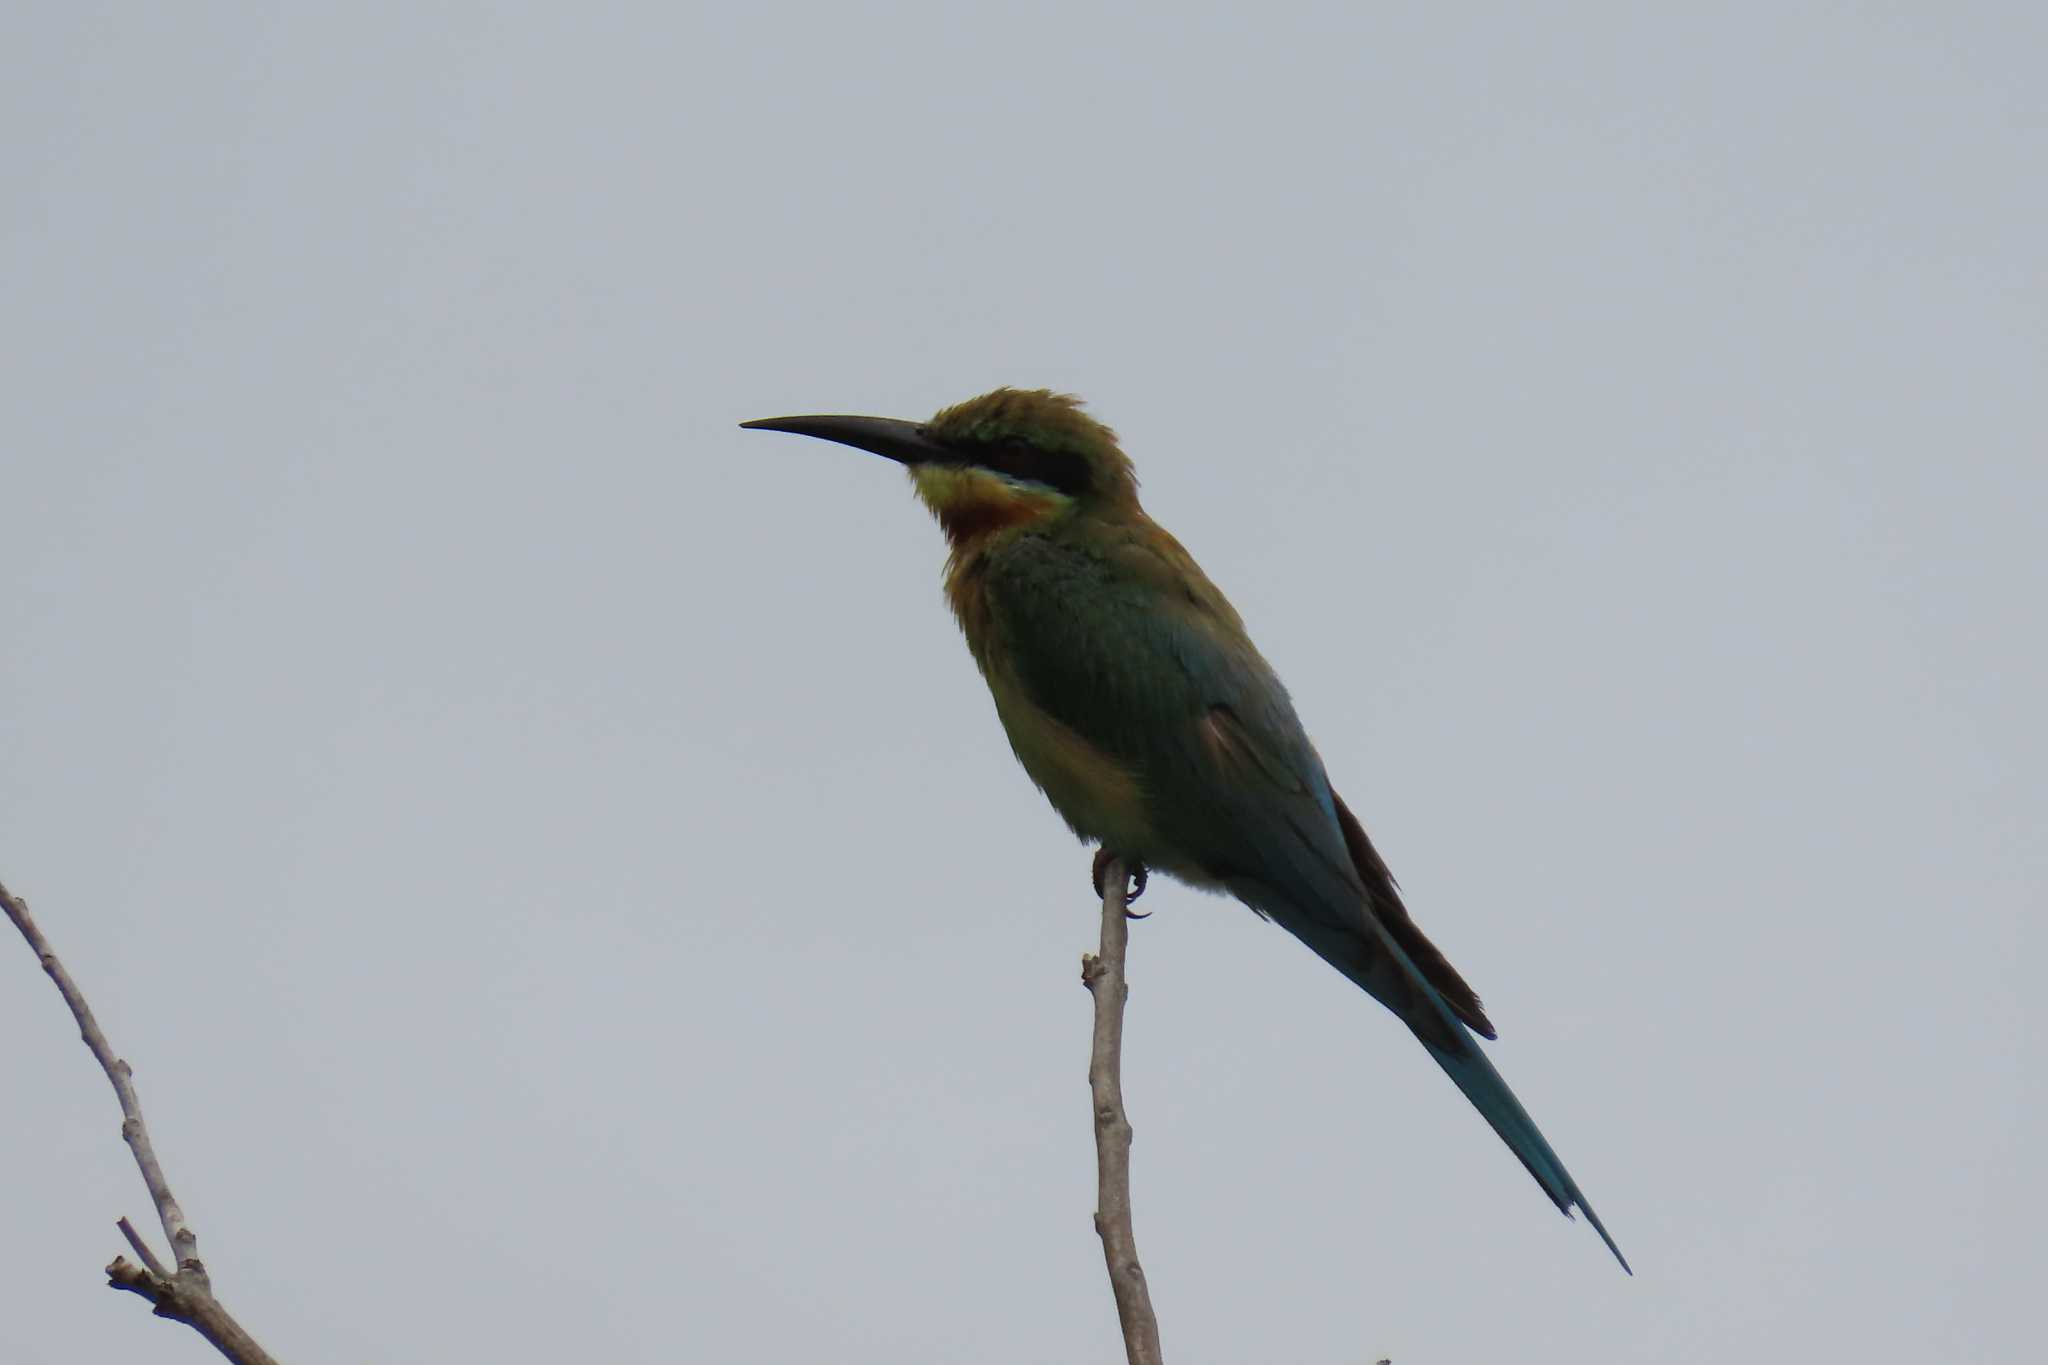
(1136, 701)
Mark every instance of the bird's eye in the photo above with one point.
(1020, 458)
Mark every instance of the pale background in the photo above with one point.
(562, 885)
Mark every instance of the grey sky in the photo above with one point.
(562, 885)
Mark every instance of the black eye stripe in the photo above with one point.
(1057, 469)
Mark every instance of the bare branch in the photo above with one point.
(1103, 974)
(143, 1249)
(184, 1295)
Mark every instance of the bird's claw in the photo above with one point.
(1138, 879)
(1136, 872)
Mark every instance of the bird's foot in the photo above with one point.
(1136, 871)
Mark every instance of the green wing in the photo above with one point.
(1136, 652)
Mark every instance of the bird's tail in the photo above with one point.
(1377, 963)
(1474, 1074)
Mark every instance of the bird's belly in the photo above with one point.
(1097, 795)
(1100, 797)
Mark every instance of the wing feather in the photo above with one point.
(1130, 647)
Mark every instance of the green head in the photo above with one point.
(1008, 458)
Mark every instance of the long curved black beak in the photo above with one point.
(903, 442)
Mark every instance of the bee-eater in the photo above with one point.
(1135, 700)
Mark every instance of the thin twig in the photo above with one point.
(1103, 974)
(143, 1249)
(184, 1295)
